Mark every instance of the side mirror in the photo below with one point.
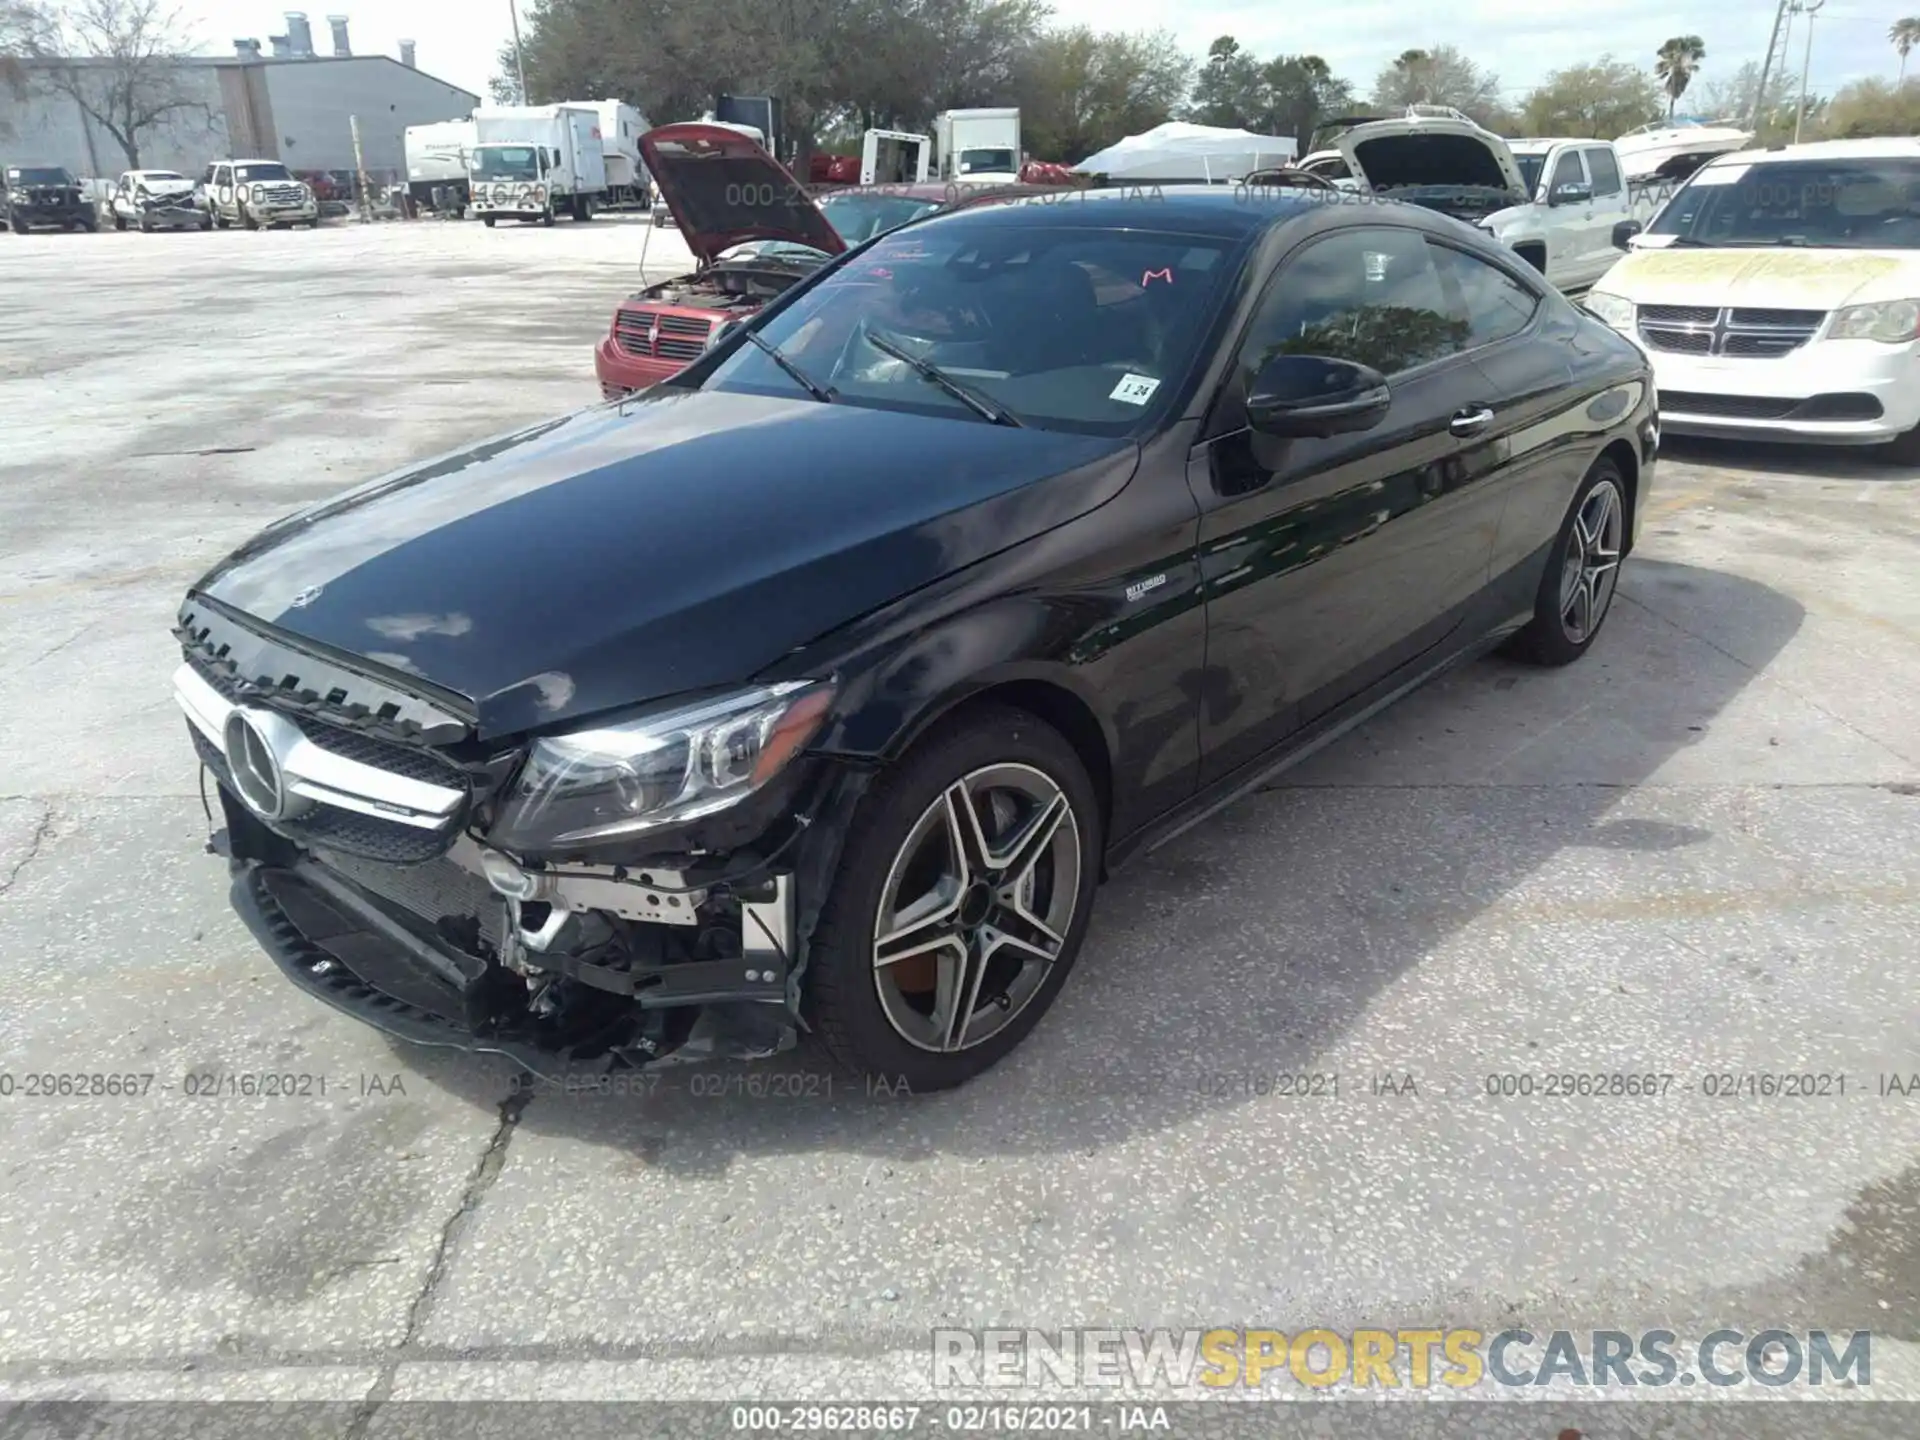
(1571, 195)
(1315, 395)
(1624, 232)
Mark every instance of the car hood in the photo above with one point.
(680, 541)
(1429, 150)
(1793, 279)
(723, 190)
(166, 187)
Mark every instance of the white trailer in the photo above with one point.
(437, 164)
(621, 126)
(978, 147)
(534, 162)
(895, 157)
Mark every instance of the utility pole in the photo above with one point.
(1806, 64)
(519, 60)
(1777, 45)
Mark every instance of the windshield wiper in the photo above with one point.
(966, 395)
(805, 381)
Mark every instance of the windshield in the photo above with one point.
(987, 162)
(858, 218)
(1864, 204)
(1530, 166)
(506, 162)
(164, 177)
(273, 171)
(39, 175)
(1078, 329)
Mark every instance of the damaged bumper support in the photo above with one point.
(374, 892)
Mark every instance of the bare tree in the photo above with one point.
(118, 60)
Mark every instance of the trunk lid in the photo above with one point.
(724, 190)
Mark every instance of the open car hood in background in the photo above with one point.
(724, 190)
(1429, 150)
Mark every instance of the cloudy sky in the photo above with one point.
(1520, 40)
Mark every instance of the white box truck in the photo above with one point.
(621, 126)
(978, 147)
(534, 162)
(437, 165)
(895, 157)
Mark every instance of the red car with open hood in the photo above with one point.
(754, 230)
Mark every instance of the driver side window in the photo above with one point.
(1372, 296)
(1567, 170)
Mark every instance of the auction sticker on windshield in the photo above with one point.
(1135, 389)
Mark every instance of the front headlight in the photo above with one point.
(1892, 321)
(660, 769)
(1615, 310)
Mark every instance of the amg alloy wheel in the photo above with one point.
(976, 907)
(1591, 566)
(960, 904)
(1582, 573)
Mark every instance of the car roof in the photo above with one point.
(1226, 211)
(1884, 147)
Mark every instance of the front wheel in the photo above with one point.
(1583, 570)
(247, 222)
(546, 216)
(487, 220)
(960, 904)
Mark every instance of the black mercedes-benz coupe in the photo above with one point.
(818, 688)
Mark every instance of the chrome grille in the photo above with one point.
(654, 334)
(1751, 333)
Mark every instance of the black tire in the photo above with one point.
(206, 222)
(221, 220)
(19, 226)
(91, 224)
(146, 226)
(487, 220)
(119, 222)
(546, 216)
(842, 1000)
(247, 222)
(1551, 637)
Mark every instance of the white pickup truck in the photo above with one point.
(1554, 201)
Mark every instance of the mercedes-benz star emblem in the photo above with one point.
(306, 597)
(255, 768)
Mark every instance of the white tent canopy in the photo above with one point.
(1180, 151)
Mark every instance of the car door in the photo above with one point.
(1329, 563)
(223, 199)
(1522, 338)
(1609, 206)
(1568, 222)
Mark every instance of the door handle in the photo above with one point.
(1470, 422)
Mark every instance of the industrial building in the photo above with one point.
(285, 103)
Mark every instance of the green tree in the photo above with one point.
(1872, 107)
(1079, 90)
(1903, 35)
(1599, 100)
(1441, 75)
(1675, 66)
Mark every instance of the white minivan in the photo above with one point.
(1778, 294)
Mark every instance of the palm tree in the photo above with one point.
(1904, 35)
(1678, 59)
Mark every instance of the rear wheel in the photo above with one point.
(1583, 570)
(146, 226)
(206, 222)
(119, 221)
(487, 220)
(960, 904)
(19, 226)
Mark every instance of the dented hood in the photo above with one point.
(680, 542)
(1429, 150)
(1791, 279)
(724, 190)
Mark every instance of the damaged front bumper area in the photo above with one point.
(383, 899)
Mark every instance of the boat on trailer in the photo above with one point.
(1674, 149)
